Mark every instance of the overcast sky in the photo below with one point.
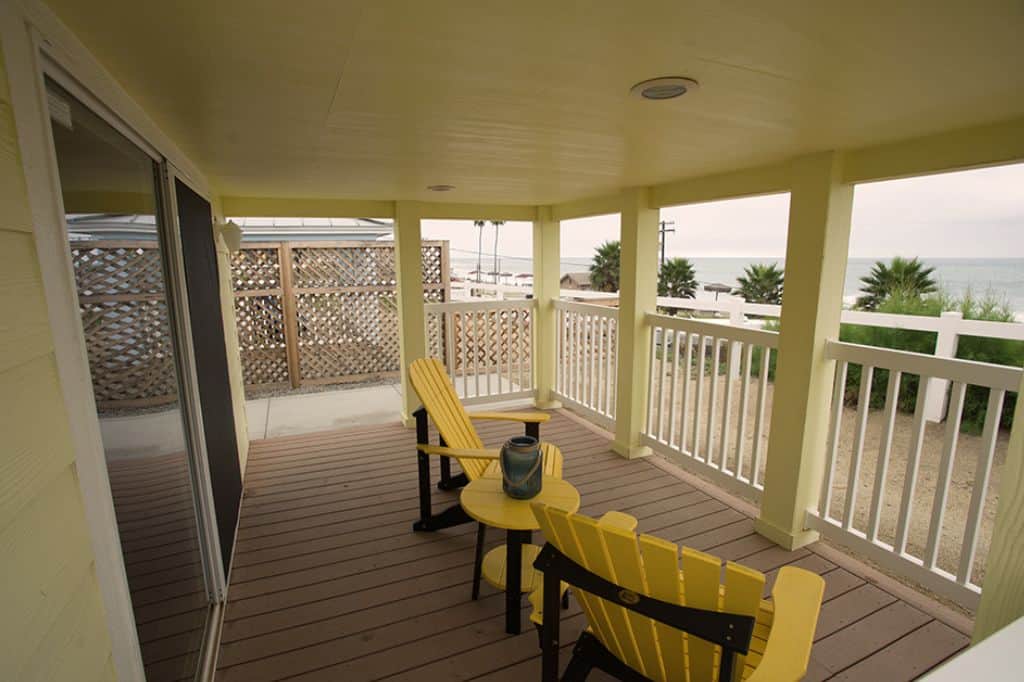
(970, 214)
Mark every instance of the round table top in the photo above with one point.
(485, 501)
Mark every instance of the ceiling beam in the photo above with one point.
(988, 145)
(585, 208)
(748, 182)
(281, 207)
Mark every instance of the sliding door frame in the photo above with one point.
(37, 45)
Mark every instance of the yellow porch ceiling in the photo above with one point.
(527, 102)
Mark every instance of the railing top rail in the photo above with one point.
(953, 369)
(458, 306)
(721, 330)
(588, 308)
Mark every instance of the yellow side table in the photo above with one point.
(510, 568)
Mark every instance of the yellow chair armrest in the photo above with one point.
(525, 417)
(616, 519)
(796, 597)
(468, 453)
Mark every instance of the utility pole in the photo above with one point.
(663, 229)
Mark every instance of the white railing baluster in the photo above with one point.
(580, 357)
(741, 424)
(730, 372)
(449, 332)
(526, 345)
(671, 409)
(650, 382)
(759, 423)
(892, 393)
(701, 347)
(709, 453)
(982, 471)
(495, 346)
(464, 349)
(913, 462)
(602, 367)
(591, 361)
(832, 448)
(857, 453)
(945, 474)
(659, 431)
(685, 408)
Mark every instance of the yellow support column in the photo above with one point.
(412, 335)
(638, 292)
(546, 282)
(1002, 596)
(816, 251)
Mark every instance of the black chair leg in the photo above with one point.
(481, 533)
(565, 599)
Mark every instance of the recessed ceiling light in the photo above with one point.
(440, 188)
(668, 87)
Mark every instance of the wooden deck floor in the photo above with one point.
(330, 583)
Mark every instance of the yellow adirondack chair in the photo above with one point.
(638, 605)
(460, 441)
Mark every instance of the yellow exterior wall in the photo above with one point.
(227, 304)
(53, 625)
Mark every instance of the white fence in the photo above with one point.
(708, 393)
(588, 359)
(926, 518)
(486, 346)
(949, 327)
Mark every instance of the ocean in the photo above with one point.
(1002, 276)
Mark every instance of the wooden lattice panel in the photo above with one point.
(124, 319)
(334, 319)
(257, 268)
(130, 353)
(117, 268)
(486, 338)
(261, 339)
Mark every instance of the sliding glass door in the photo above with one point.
(122, 252)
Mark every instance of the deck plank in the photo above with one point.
(329, 582)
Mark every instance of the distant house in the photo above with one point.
(576, 280)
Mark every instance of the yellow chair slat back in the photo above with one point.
(431, 383)
(628, 568)
(661, 559)
(650, 566)
(554, 524)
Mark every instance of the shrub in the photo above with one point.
(981, 349)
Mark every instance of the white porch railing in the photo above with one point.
(588, 359)
(486, 345)
(707, 397)
(882, 509)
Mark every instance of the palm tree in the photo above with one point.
(902, 277)
(479, 247)
(604, 268)
(497, 224)
(677, 279)
(760, 283)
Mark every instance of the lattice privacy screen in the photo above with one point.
(322, 312)
(333, 317)
(124, 317)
